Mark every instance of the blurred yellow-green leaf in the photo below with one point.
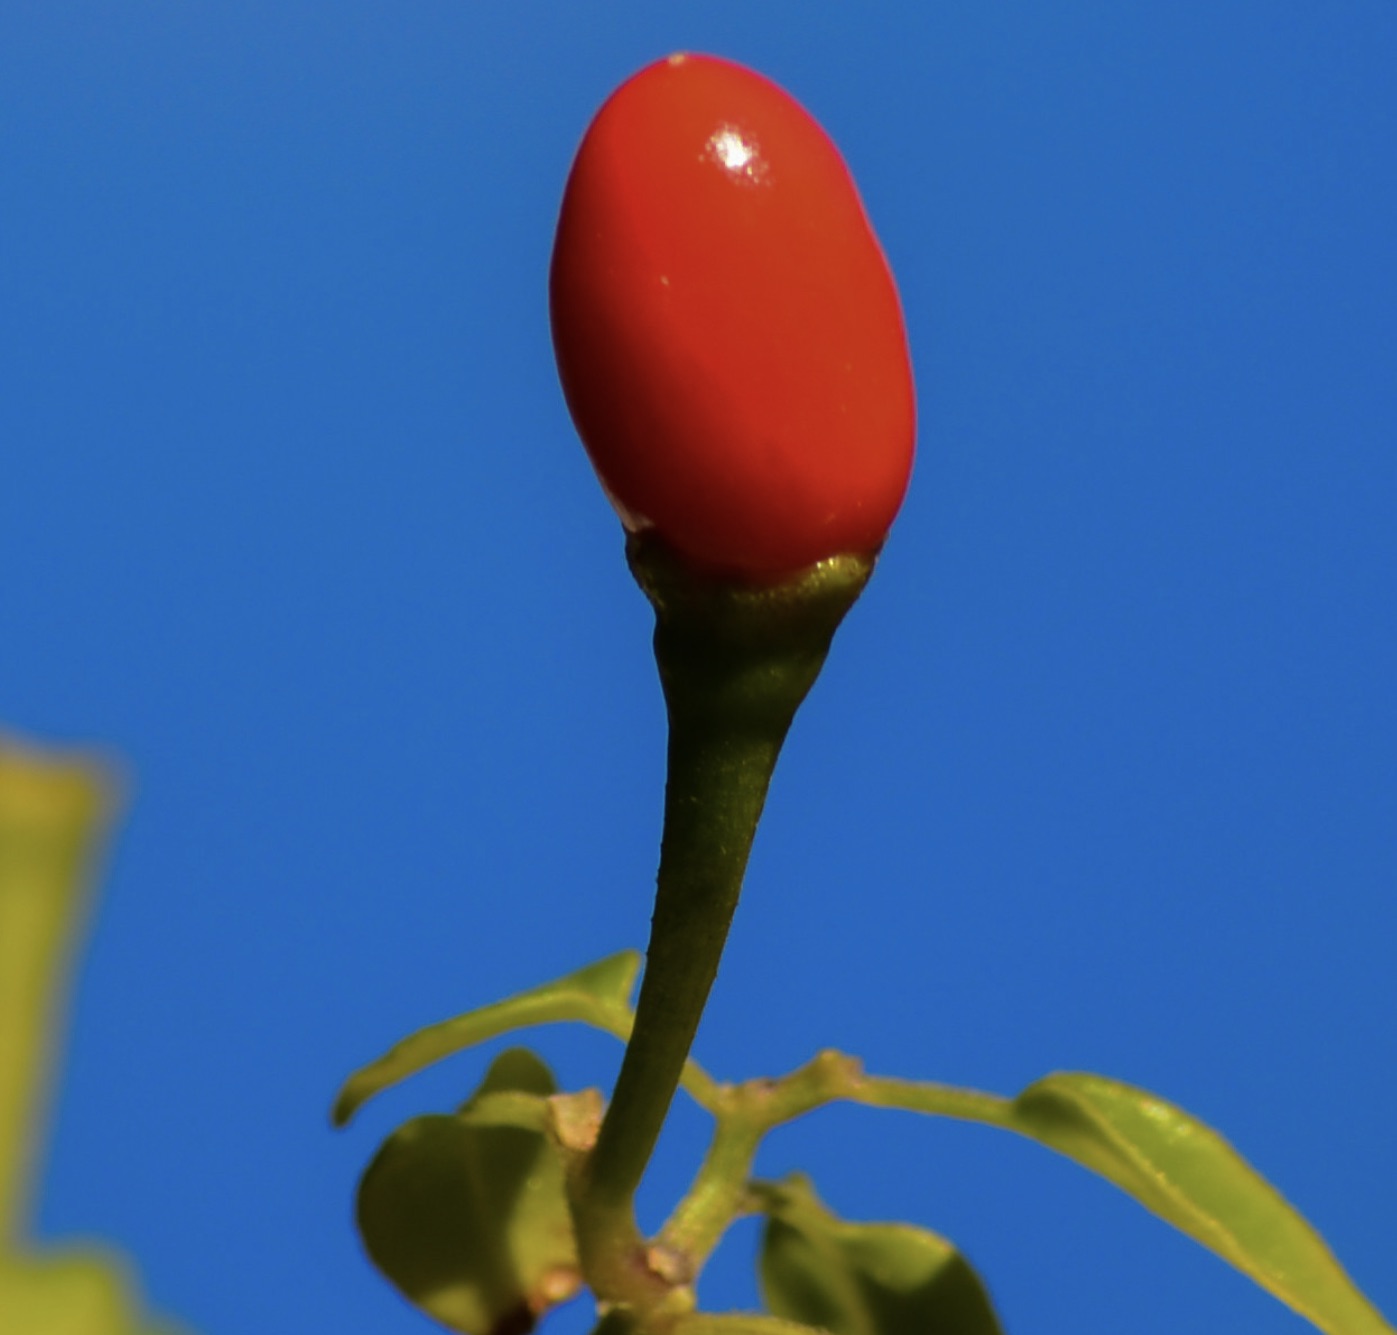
(52, 814)
(70, 1293)
(54, 811)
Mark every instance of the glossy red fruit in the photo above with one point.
(728, 334)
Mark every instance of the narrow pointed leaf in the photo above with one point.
(466, 1214)
(1188, 1174)
(598, 995)
(864, 1279)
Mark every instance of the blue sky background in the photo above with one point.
(1102, 773)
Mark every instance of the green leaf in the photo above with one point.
(1188, 1174)
(53, 810)
(514, 1071)
(598, 995)
(69, 1293)
(738, 1323)
(864, 1279)
(467, 1214)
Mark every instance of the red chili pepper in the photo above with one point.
(728, 334)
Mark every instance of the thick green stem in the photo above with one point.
(735, 662)
(717, 787)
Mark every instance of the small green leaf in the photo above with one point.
(1188, 1174)
(514, 1071)
(864, 1279)
(467, 1214)
(598, 995)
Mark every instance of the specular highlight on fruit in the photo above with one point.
(728, 333)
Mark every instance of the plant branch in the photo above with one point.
(722, 1189)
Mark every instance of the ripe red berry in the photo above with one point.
(728, 334)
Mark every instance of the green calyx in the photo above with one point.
(742, 654)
